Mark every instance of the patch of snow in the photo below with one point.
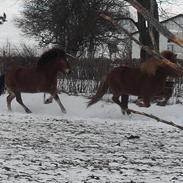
(89, 145)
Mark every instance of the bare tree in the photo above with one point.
(160, 28)
(147, 33)
(73, 25)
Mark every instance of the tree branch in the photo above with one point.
(156, 118)
(130, 19)
(163, 30)
(146, 48)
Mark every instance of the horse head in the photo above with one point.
(171, 69)
(57, 60)
(167, 67)
(169, 55)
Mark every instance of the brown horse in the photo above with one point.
(42, 78)
(164, 95)
(146, 81)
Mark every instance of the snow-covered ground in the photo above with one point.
(94, 145)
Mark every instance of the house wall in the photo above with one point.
(173, 25)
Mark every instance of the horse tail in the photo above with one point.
(2, 84)
(103, 87)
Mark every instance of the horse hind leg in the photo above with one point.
(57, 99)
(145, 102)
(122, 105)
(19, 100)
(9, 99)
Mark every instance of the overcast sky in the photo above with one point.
(9, 32)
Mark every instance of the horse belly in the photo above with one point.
(34, 88)
(135, 87)
(132, 81)
(27, 86)
(123, 87)
(30, 81)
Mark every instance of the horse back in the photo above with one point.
(27, 80)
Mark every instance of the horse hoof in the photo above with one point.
(161, 103)
(125, 111)
(64, 111)
(128, 112)
(48, 101)
(140, 104)
(28, 111)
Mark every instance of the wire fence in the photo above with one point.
(86, 73)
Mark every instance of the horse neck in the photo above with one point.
(48, 70)
(161, 74)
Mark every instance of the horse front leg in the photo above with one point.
(57, 99)
(146, 102)
(10, 97)
(124, 103)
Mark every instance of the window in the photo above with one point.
(170, 47)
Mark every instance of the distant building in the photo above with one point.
(174, 25)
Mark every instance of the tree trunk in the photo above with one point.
(146, 48)
(147, 34)
(160, 28)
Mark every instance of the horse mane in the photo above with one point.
(50, 55)
(169, 55)
(152, 64)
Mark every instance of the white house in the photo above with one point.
(174, 25)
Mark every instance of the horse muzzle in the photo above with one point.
(179, 71)
(67, 71)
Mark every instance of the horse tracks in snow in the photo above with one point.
(47, 149)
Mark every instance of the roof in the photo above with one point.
(167, 20)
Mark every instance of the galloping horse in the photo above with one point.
(42, 78)
(146, 81)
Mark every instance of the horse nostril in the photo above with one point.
(67, 71)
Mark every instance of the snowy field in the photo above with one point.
(94, 145)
